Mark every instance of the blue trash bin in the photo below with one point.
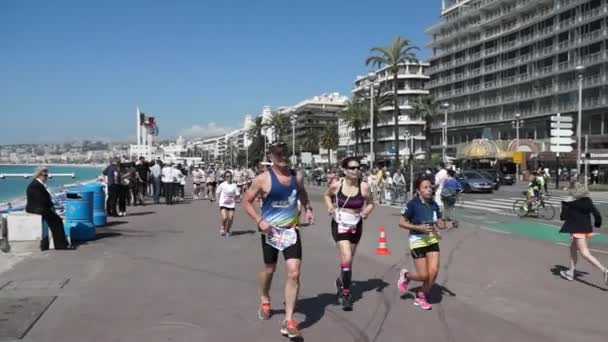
(100, 218)
(78, 223)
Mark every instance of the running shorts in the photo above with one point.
(420, 252)
(353, 238)
(226, 208)
(271, 254)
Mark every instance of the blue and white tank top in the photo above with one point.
(280, 206)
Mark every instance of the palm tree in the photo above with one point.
(398, 53)
(256, 148)
(311, 141)
(427, 108)
(279, 122)
(355, 116)
(329, 140)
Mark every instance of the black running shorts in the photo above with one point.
(353, 238)
(271, 254)
(420, 252)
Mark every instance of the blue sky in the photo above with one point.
(79, 67)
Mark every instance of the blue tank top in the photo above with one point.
(280, 206)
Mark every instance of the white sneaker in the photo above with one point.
(566, 275)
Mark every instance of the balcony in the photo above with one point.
(564, 44)
(508, 80)
(475, 72)
(592, 58)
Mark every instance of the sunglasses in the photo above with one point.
(353, 168)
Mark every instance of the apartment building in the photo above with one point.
(493, 59)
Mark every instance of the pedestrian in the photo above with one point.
(167, 180)
(576, 214)
(112, 179)
(227, 193)
(155, 174)
(280, 188)
(39, 202)
(142, 177)
(422, 217)
(348, 200)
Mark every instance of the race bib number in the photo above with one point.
(347, 222)
(228, 200)
(281, 238)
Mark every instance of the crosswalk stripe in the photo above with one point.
(492, 205)
(470, 206)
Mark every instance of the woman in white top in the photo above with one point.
(227, 193)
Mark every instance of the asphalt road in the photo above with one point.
(163, 273)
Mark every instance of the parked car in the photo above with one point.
(492, 177)
(474, 182)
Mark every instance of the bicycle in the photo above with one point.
(542, 209)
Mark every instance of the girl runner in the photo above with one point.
(348, 200)
(577, 216)
(227, 193)
(421, 216)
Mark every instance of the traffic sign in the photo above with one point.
(561, 148)
(566, 125)
(561, 140)
(561, 132)
(559, 118)
(518, 157)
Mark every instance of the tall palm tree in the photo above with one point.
(427, 108)
(329, 140)
(355, 116)
(279, 122)
(311, 141)
(256, 148)
(398, 53)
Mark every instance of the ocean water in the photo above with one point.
(12, 188)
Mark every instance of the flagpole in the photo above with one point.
(138, 129)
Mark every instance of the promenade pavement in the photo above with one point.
(163, 273)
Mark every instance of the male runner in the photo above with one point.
(280, 187)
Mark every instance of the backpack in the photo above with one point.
(448, 195)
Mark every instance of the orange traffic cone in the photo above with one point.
(382, 248)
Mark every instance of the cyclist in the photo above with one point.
(533, 192)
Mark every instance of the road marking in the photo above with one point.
(494, 230)
(591, 249)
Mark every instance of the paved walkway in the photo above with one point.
(164, 274)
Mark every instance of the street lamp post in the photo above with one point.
(444, 131)
(410, 136)
(372, 78)
(579, 71)
(517, 123)
(294, 119)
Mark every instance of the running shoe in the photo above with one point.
(222, 232)
(403, 281)
(339, 288)
(421, 302)
(347, 300)
(566, 275)
(290, 329)
(264, 312)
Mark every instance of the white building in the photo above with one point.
(412, 79)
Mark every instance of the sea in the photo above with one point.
(12, 189)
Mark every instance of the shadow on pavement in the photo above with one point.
(435, 296)
(142, 213)
(114, 223)
(314, 308)
(242, 232)
(557, 268)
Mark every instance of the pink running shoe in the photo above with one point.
(421, 302)
(403, 281)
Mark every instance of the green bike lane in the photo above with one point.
(528, 227)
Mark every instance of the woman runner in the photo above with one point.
(226, 194)
(577, 214)
(348, 200)
(421, 216)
